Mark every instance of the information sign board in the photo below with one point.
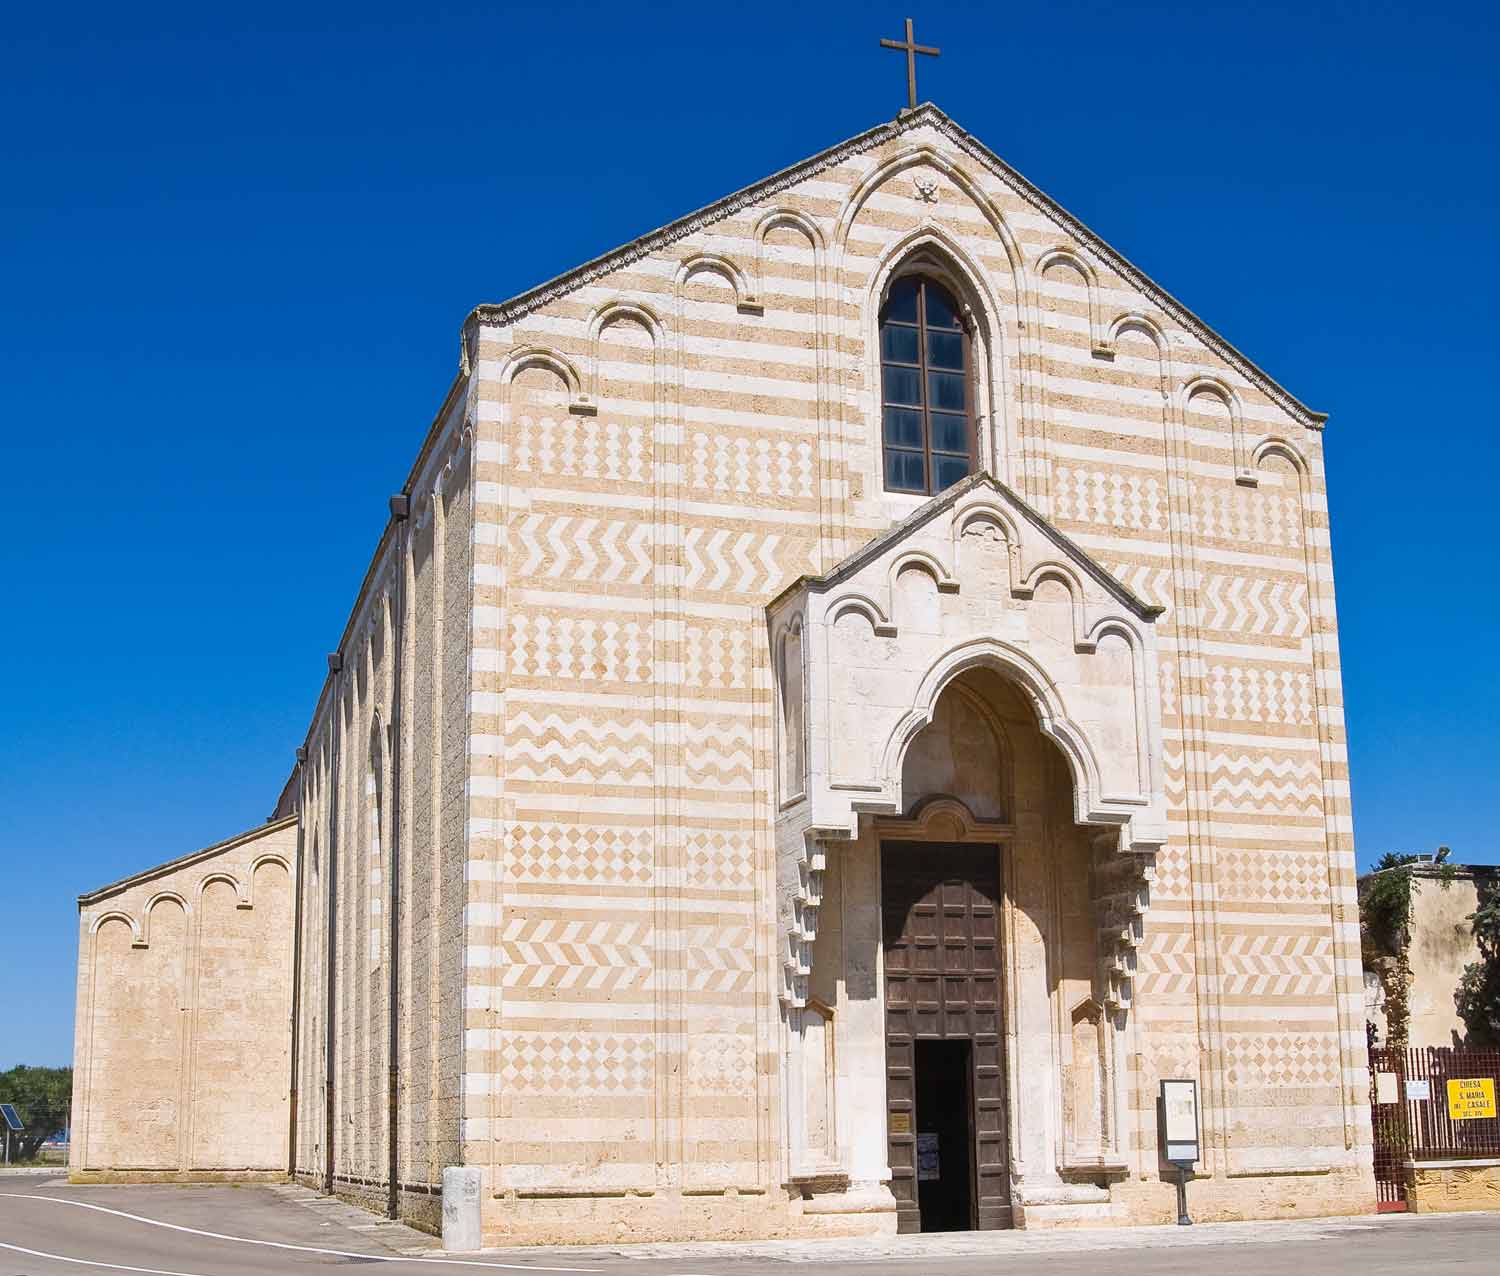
(1471, 1098)
(1179, 1115)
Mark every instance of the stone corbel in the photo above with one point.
(1122, 893)
(801, 861)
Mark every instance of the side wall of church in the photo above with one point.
(361, 804)
(665, 444)
(181, 1059)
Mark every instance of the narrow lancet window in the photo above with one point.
(924, 388)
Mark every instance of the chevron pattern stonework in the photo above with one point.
(604, 751)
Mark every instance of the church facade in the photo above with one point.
(846, 701)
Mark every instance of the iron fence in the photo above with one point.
(1418, 1116)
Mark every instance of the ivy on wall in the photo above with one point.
(1478, 994)
(1385, 932)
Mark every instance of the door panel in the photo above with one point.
(941, 934)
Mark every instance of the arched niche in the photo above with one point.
(1210, 403)
(931, 252)
(1072, 270)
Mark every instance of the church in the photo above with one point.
(846, 702)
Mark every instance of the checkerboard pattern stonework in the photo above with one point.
(649, 662)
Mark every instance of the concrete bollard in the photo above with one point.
(461, 1193)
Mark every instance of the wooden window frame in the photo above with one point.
(923, 281)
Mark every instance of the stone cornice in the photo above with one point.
(927, 115)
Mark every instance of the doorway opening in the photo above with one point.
(945, 1135)
(944, 1090)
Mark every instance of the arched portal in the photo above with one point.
(989, 944)
(962, 877)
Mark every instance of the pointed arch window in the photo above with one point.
(926, 391)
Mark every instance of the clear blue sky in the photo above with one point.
(235, 253)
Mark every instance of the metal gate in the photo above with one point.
(1390, 1128)
(1411, 1116)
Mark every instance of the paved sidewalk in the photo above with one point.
(1000, 1244)
(332, 1212)
(48, 1228)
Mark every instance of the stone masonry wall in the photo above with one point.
(666, 442)
(181, 1059)
(349, 827)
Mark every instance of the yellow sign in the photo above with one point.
(1471, 1098)
(900, 1122)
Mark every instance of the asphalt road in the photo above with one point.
(48, 1228)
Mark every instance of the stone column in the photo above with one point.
(861, 1010)
(1030, 1046)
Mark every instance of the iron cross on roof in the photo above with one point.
(912, 48)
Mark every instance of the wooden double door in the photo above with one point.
(945, 1079)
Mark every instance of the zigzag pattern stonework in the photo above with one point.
(1263, 783)
(1234, 607)
(579, 749)
(634, 462)
(596, 551)
(576, 955)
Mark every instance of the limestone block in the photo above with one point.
(1453, 1186)
(462, 1198)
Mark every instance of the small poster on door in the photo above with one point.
(929, 1164)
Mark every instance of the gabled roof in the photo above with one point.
(927, 114)
(208, 852)
(945, 501)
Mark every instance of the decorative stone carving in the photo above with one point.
(973, 578)
(1122, 893)
(885, 632)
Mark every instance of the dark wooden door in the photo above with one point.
(941, 933)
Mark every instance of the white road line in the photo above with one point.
(246, 1240)
(89, 1262)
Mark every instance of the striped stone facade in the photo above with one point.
(553, 709)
